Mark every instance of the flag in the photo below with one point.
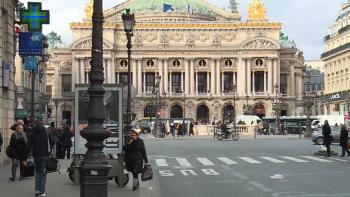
(167, 8)
(189, 9)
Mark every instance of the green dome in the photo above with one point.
(198, 6)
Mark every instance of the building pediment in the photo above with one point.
(260, 43)
(86, 43)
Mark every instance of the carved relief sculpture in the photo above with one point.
(189, 40)
(260, 44)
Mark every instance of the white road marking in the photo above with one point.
(343, 160)
(161, 162)
(227, 160)
(295, 159)
(205, 161)
(248, 159)
(317, 159)
(260, 186)
(273, 160)
(183, 162)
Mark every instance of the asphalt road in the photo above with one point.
(207, 167)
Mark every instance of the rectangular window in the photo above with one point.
(284, 84)
(66, 83)
(123, 78)
(150, 82)
(49, 89)
(228, 82)
(259, 81)
(202, 83)
(176, 82)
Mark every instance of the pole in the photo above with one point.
(56, 105)
(94, 168)
(128, 103)
(32, 112)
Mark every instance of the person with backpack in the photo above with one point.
(40, 148)
(66, 141)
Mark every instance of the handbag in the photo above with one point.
(51, 165)
(9, 152)
(28, 169)
(147, 173)
(348, 145)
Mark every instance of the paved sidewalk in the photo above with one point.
(243, 137)
(59, 185)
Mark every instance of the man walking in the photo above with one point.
(39, 145)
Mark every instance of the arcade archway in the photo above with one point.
(202, 114)
(176, 112)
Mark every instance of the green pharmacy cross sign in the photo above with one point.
(35, 17)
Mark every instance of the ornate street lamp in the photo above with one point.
(277, 108)
(158, 103)
(129, 22)
(94, 168)
(308, 103)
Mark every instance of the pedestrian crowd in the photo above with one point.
(30, 148)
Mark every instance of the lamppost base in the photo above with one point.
(94, 179)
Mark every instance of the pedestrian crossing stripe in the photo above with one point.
(185, 163)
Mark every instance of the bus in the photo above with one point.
(293, 124)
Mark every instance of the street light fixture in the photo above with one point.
(129, 23)
(308, 103)
(277, 108)
(94, 168)
(158, 103)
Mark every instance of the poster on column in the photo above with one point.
(113, 118)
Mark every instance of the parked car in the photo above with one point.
(317, 136)
(142, 127)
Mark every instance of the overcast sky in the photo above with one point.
(305, 21)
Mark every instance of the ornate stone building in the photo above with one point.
(7, 70)
(201, 53)
(337, 64)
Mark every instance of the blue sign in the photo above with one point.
(30, 63)
(5, 74)
(30, 43)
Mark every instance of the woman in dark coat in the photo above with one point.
(66, 141)
(344, 140)
(327, 137)
(135, 154)
(18, 145)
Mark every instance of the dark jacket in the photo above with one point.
(66, 138)
(53, 135)
(344, 137)
(39, 142)
(1, 141)
(18, 147)
(135, 154)
(327, 135)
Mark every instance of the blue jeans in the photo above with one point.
(40, 174)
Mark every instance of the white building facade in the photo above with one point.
(200, 56)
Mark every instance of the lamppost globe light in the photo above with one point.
(129, 21)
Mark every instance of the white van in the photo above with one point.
(332, 120)
(248, 119)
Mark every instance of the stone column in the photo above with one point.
(270, 76)
(171, 83)
(249, 76)
(134, 73)
(160, 73)
(113, 70)
(139, 78)
(222, 82)
(234, 79)
(218, 79)
(241, 77)
(166, 76)
(275, 72)
(253, 81)
(105, 70)
(182, 81)
(208, 85)
(212, 79)
(110, 71)
(76, 67)
(187, 80)
(82, 70)
(192, 89)
(292, 81)
(144, 82)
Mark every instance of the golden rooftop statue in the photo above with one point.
(89, 9)
(256, 11)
